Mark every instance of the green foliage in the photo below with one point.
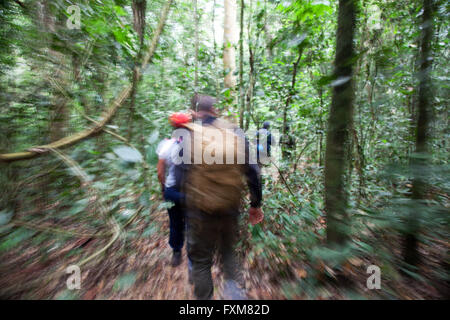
(128, 154)
(5, 217)
(15, 238)
(125, 281)
(52, 77)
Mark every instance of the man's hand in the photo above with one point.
(256, 215)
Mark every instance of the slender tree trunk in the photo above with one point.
(413, 103)
(251, 86)
(419, 161)
(371, 132)
(132, 110)
(139, 8)
(196, 23)
(289, 98)
(339, 123)
(359, 162)
(9, 173)
(241, 67)
(229, 50)
(213, 19)
(57, 76)
(251, 62)
(321, 126)
(269, 39)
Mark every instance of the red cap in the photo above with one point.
(178, 119)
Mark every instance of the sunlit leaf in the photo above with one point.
(128, 154)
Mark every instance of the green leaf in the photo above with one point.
(127, 213)
(144, 199)
(297, 40)
(67, 295)
(128, 154)
(5, 216)
(165, 205)
(151, 156)
(16, 238)
(151, 229)
(153, 137)
(79, 206)
(125, 282)
(120, 11)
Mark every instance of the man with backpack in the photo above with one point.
(213, 200)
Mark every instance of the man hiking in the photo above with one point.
(167, 172)
(213, 201)
(264, 143)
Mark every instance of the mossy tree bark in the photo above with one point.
(420, 158)
(339, 124)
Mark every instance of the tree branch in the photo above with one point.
(107, 115)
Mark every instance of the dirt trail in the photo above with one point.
(135, 267)
(155, 278)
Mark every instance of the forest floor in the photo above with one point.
(139, 267)
(166, 282)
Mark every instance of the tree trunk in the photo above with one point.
(57, 74)
(229, 39)
(251, 62)
(196, 22)
(251, 86)
(339, 123)
(419, 161)
(139, 7)
(359, 163)
(288, 100)
(269, 38)
(241, 67)
(321, 126)
(213, 18)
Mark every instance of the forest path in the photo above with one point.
(162, 281)
(157, 279)
(150, 263)
(136, 266)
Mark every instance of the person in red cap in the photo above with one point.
(166, 168)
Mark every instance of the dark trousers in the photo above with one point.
(176, 218)
(206, 234)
